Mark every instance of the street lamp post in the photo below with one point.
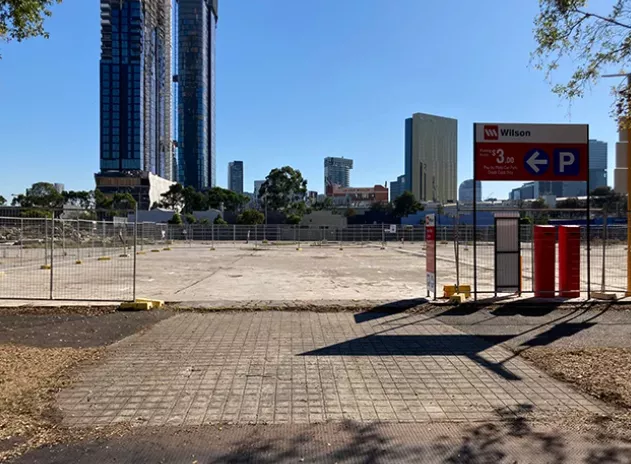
(628, 131)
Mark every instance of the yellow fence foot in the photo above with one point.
(104, 258)
(45, 267)
(78, 261)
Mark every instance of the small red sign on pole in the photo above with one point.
(430, 254)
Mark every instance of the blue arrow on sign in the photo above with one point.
(536, 162)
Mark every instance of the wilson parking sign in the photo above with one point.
(530, 152)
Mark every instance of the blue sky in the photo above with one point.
(298, 81)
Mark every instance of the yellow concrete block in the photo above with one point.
(155, 251)
(457, 298)
(212, 248)
(45, 267)
(449, 290)
(154, 303)
(141, 252)
(298, 249)
(78, 261)
(166, 249)
(123, 255)
(104, 258)
(135, 306)
(341, 248)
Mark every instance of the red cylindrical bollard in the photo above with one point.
(570, 261)
(545, 243)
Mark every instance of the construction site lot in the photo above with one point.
(198, 271)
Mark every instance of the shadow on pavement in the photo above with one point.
(511, 438)
(388, 309)
(421, 345)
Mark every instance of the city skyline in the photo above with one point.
(336, 121)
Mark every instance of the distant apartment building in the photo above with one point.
(397, 187)
(465, 191)
(357, 196)
(235, 176)
(431, 157)
(196, 33)
(337, 171)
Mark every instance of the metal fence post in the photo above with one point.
(46, 241)
(212, 235)
(135, 254)
(602, 284)
(234, 234)
(52, 257)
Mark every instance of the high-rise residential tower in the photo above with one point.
(337, 171)
(431, 157)
(196, 32)
(135, 78)
(235, 176)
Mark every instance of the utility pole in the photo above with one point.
(627, 129)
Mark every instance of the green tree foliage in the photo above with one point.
(293, 219)
(3, 201)
(406, 204)
(23, 19)
(283, 188)
(251, 217)
(220, 221)
(189, 218)
(539, 217)
(606, 199)
(173, 198)
(176, 219)
(230, 200)
(80, 199)
(194, 200)
(40, 195)
(590, 40)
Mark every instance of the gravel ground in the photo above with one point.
(39, 351)
(600, 372)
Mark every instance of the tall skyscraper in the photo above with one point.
(465, 192)
(597, 164)
(135, 77)
(235, 176)
(196, 23)
(337, 171)
(431, 157)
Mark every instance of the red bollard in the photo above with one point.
(570, 261)
(545, 243)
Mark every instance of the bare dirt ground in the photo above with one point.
(40, 350)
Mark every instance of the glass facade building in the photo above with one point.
(235, 176)
(337, 171)
(196, 26)
(431, 157)
(135, 86)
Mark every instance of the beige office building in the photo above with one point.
(431, 157)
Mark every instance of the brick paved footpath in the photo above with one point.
(290, 367)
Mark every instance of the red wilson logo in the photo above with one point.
(491, 132)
